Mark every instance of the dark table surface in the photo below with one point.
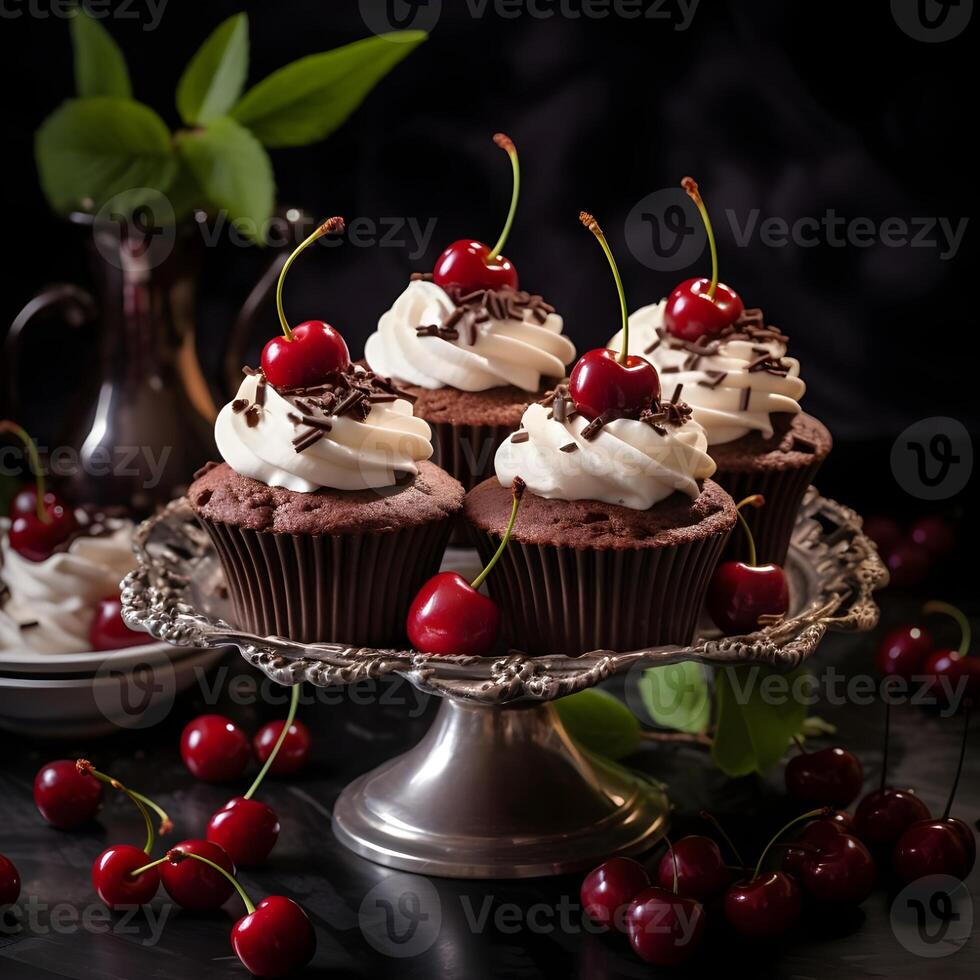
(530, 928)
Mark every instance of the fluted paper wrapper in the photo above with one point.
(466, 452)
(347, 588)
(772, 525)
(558, 600)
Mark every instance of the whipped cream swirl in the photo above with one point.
(504, 338)
(50, 604)
(733, 382)
(306, 439)
(626, 462)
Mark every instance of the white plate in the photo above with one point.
(34, 664)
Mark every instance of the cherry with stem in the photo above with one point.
(952, 672)
(449, 616)
(829, 777)
(65, 796)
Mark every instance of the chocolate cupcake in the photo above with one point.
(325, 515)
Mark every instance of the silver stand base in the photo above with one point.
(498, 792)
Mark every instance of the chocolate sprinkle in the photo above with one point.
(746, 398)
(521, 435)
(570, 448)
(252, 416)
(239, 405)
(652, 347)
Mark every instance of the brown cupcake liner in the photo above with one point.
(771, 525)
(559, 600)
(348, 588)
(466, 452)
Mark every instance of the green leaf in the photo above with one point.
(215, 76)
(814, 727)
(100, 68)
(90, 150)
(756, 718)
(234, 172)
(307, 100)
(600, 722)
(676, 696)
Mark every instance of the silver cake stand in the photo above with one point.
(497, 788)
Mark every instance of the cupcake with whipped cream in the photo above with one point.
(621, 527)
(325, 513)
(744, 391)
(472, 348)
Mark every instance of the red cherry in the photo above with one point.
(934, 534)
(691, 314)
(9, 882)
(885, 814)
(600, 384)
(295, 751)
(701, 870)
(35, 539)
(935, 847)
(193, 884)
(765, 907)
(117, 886)
(467, 265)
(65, 797)
(664, 928)
(315, 351)
(275, 940)
(449, 616)
(828, 777)
(109, 631)
(247, 830)
(884, 531)
(740, 593)
(903, 651)
(837, 869)
(25, 501)
(608, 890)
(908, 563)
(214, 749)
(815, 834)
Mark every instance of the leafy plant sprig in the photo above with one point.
(104, 145)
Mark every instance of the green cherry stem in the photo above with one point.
(944, 608)
(142, 803)
(959, 765)
(290, 717)
(517, 488)
(330, 226)
(12, 427)
(507, 145)
(711, 819)
(589, 221)
(821, 812)
(756, 500)
(691, 186)
(175, 857)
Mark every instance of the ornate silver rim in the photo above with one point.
(173, 594)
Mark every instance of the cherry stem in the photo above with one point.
(507, 144)
(823, 811)
(330, 226)
(966, 633)
(673, 861)
(711, 819)
(593, 226)
(175, 857)
(143, 803)
(290, 718)
(517, 488)
(756, 500)
(959, 765)
(800, 745)
(691, 186)
(149, 867)
(884, 753)
(7, 426)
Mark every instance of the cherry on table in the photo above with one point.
(114, 881)
(274, 940)
(903, 651)
(764, 907)
(294, 753)
(608, 890)
(815, 834)
(109, 631)
(246, 829)
(193, 884)
(829, 777)
(65, 796)
(701, 870)
(837, 869)
(664, 928)
(9, 882)
(214, 749)
(934, 534)
(957, 668)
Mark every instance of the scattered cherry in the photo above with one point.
(903, 651)
(306, 354)
(766, 906)
(214, 749)
(470, 265)
(109, 631)
(815, 834)
(246, 829)
(193, 884)
(608, 890)
(664, 928)
(954, 674)
(606, 382)
(698, 307)
(65, 796)
(275, 939)
(741, 592)
(449, 616)
(113, 878)
(295, 751)
(828, 777)
(701, 870)
(837, 868)
(9, 882)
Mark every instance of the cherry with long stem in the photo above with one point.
(950, 670)
(507, 145)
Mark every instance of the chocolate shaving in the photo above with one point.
(715, 378)
(314, 423)
(802, 445)
(309, 438)
(260, 391)
(746, 398)
(652, 347)
(239, 405)
(595, 426)
(423, 276)
(521, 435)
(31, 624)
(249, 370)
(252, 416)
(675, 397)
(570, 448)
